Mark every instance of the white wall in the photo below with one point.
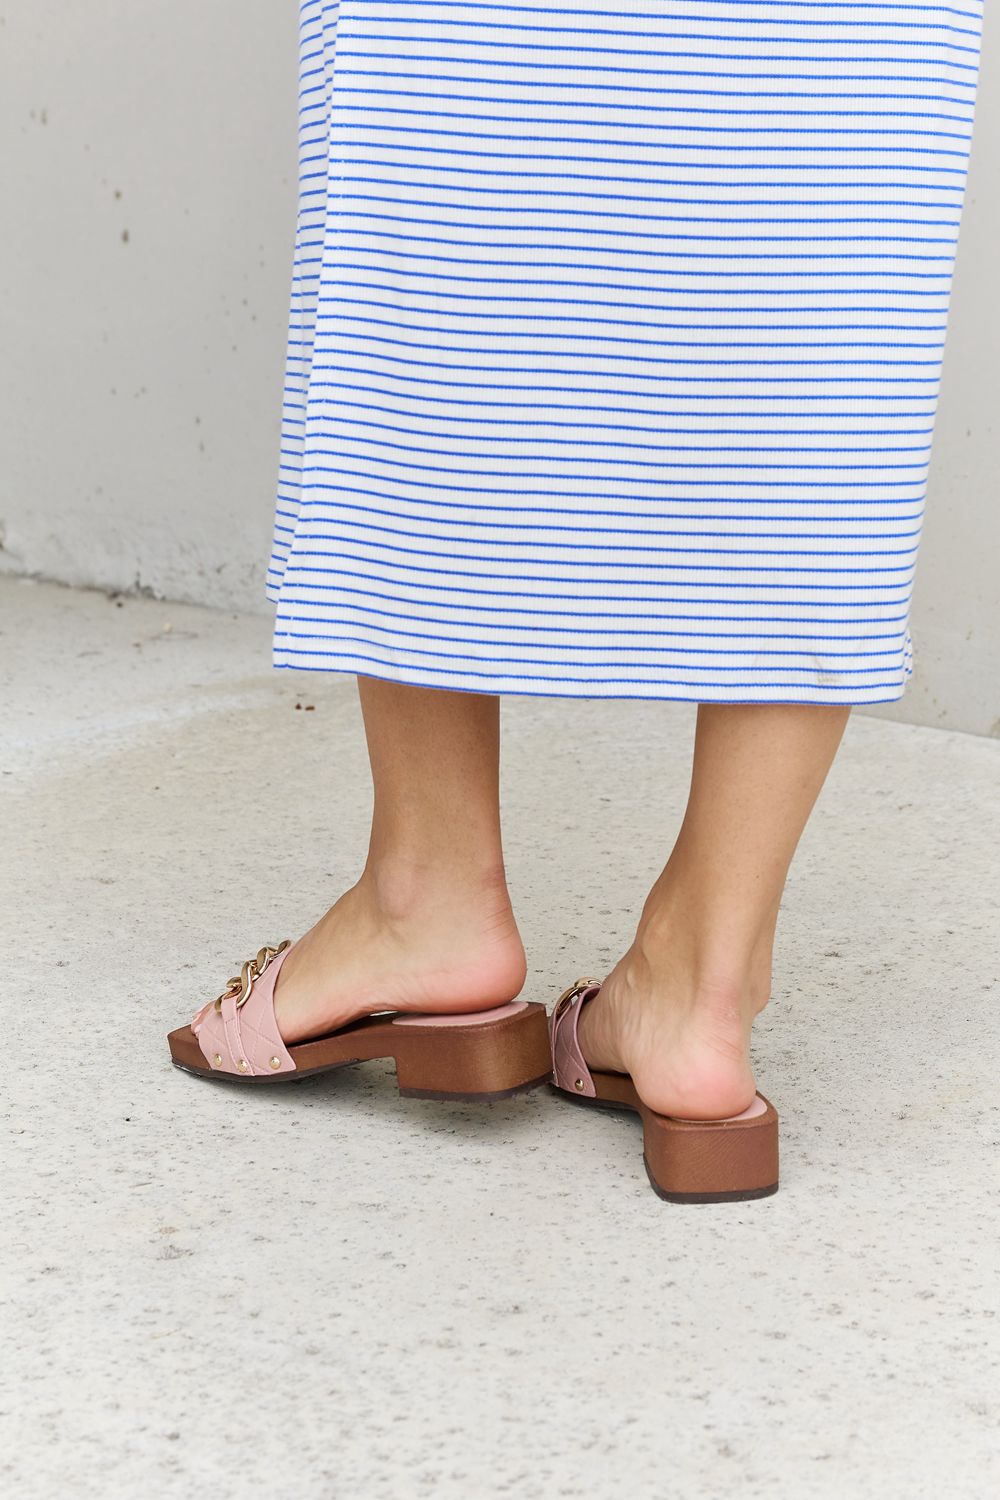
(956, 626)
(141, 376)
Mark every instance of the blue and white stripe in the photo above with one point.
(616, 340)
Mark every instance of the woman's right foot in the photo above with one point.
(683, 1040)
(404, 938)
(697, 1144)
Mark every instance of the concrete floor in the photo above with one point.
(324, 1291)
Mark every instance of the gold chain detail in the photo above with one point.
(242, 983)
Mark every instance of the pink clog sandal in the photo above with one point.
(687, 1161)
(482, 1055)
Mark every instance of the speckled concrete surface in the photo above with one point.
(325, 1291)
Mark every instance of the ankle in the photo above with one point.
(720, 963)
(715, 982)
(403, 888)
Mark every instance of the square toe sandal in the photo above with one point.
(483, 1055)
(687, 1161)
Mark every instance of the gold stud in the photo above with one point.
(217, 1060)
(274, 1062)
(243, 1065)
(578, 1083)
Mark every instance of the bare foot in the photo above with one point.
(407, 939)
(686, 1043)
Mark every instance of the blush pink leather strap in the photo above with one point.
(569, 1070)
(246, 1039)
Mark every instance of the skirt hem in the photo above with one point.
(813, 694)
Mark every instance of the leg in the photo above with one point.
(428, 926)
(677, 1009)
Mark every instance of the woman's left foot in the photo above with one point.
(484, 1056)
(403, 939)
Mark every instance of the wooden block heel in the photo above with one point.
(492, 1056)
(717, 1161)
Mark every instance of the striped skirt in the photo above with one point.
(615, 342)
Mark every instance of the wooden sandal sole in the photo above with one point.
(481, 1056)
